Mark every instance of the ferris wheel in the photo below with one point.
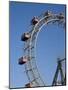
(30, 40)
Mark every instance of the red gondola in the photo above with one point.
(34, 21)
(28, 85)
(47, 13)
(25, 37)
(60, 16)
(22, 60)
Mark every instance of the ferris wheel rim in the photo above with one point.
(36, 38)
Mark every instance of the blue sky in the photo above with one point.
(50, 44)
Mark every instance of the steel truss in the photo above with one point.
(62, 74)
